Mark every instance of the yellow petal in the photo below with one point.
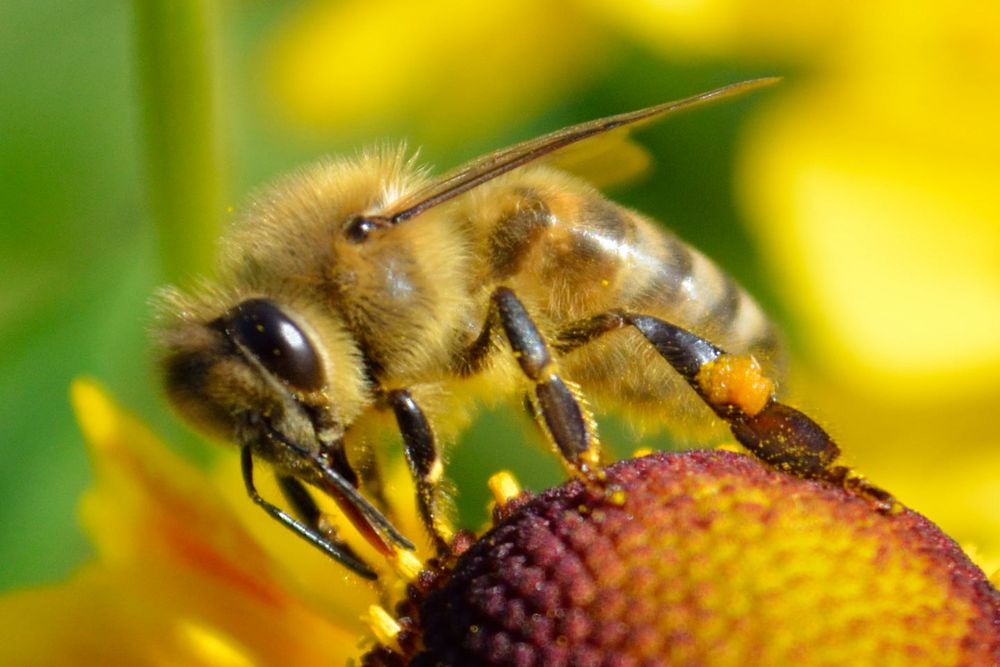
(177, 580)
(728, 27)
(882, 222)
(872, 191)
(898, 446)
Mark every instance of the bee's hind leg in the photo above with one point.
(735, 388)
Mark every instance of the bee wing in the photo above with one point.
(611, 159)
(488, 167)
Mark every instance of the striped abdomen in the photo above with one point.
(569, 253)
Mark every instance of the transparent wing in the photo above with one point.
(605, 161)
(490, 166)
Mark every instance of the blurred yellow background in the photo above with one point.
(858, 200)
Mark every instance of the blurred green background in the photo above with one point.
(129, 130)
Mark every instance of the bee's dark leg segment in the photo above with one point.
(774, 432)
(849, 480)
(304, 506)
(686, 352)
(785, 438)
(736, 390)
(424, 459)
(474, 357)
(372, 480)
(559, 408)
(312, 535)
(376, 528)
(558, 405)
(301, 501)
(581, 332)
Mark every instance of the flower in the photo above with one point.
(717, 549)
(869, 185)
(712, 559)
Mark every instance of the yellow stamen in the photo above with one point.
(616, 495)
(384, 627)
(504, 487)
(406, 564)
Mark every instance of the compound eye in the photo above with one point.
(260, 327)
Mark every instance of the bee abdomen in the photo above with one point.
(666, 278)
(618, 259)
(571, 254)
(690, 290)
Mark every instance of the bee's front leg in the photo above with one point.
(424, 459)
(308, 528)
(308, 512)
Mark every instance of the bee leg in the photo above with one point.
(424, 459)
(372, 481)
(334, 548)
(305, 508)
(735, 388)
(303, 504)
(557, 404)
(334, 475)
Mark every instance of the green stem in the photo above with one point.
(176, 58)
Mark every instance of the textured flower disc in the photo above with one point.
(712, 560)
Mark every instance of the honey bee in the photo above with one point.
(360, 286)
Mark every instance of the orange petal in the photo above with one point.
(178, 580)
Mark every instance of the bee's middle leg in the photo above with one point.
(557, 404)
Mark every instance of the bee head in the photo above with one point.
(259, 371)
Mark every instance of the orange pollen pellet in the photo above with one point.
(738, 381)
